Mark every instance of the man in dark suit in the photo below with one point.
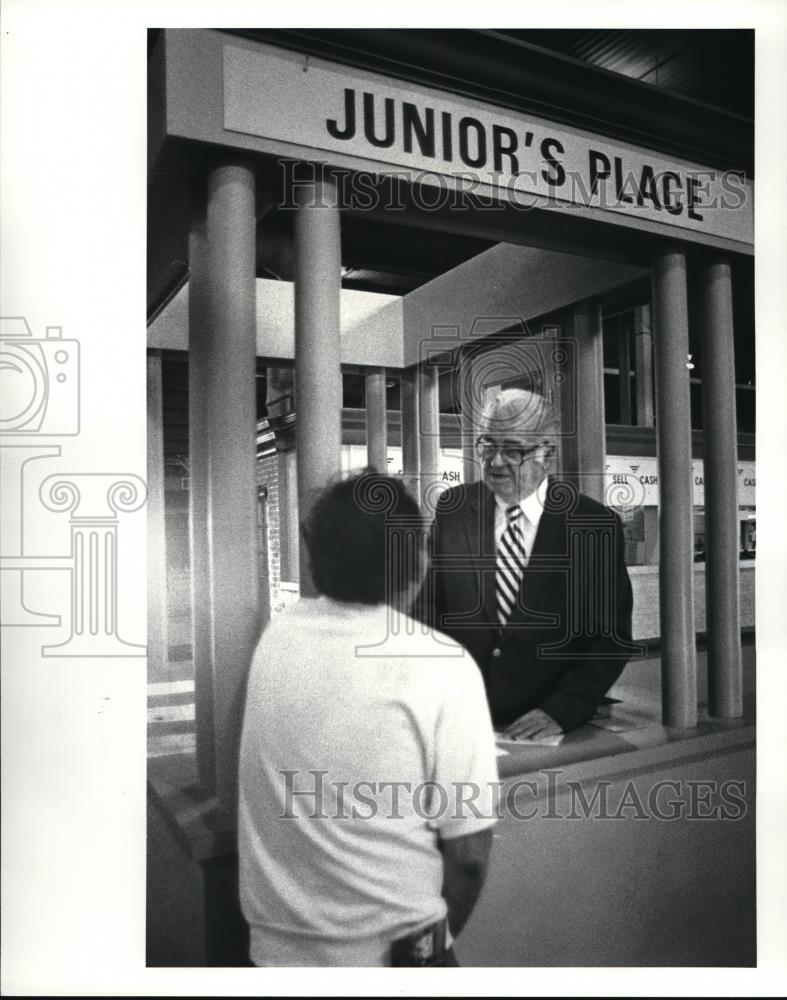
(528, 574)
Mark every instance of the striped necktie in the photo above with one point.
(511, 558)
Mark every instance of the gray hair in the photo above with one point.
(520, 411)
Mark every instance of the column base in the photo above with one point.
(95, 645)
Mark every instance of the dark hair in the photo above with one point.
(364, 539)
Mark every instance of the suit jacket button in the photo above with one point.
(495, 652)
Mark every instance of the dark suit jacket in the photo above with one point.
(569, 636)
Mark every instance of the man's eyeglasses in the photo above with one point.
(512, 454)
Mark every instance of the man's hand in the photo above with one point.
(532, 723)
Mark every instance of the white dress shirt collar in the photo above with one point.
(532, 507)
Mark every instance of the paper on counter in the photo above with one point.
(619, 723)
(543, 741)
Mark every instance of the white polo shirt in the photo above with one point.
(363, 744)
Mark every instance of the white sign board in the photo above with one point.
(643, 474)
(286, 96)
(637, 475)
(353, 459)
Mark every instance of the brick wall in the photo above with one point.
(268, 477)
(282, 592)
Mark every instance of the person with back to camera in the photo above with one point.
(359, 736)
(529, 575)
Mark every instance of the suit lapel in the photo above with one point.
(551, 527)
(481, 543)
(549, 541)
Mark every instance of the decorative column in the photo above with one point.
(624, 371)
(94, 501)
(222, 432)
(591, 430)
(643, 366)
(158, 652)
(376, 420)
(720, 458)
(676, 532)
(318, 376)
(592, 588)
(429, 425)
(410, 429)
(470, 407)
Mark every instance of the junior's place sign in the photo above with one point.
(443, 138)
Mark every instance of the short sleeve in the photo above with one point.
(466, 779)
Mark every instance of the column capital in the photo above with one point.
(93, 495)
(317, 190)
(714, 258)
(669, 248)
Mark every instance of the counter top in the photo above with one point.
(591, 752)
(206, 831)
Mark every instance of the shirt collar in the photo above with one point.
(532, 506)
